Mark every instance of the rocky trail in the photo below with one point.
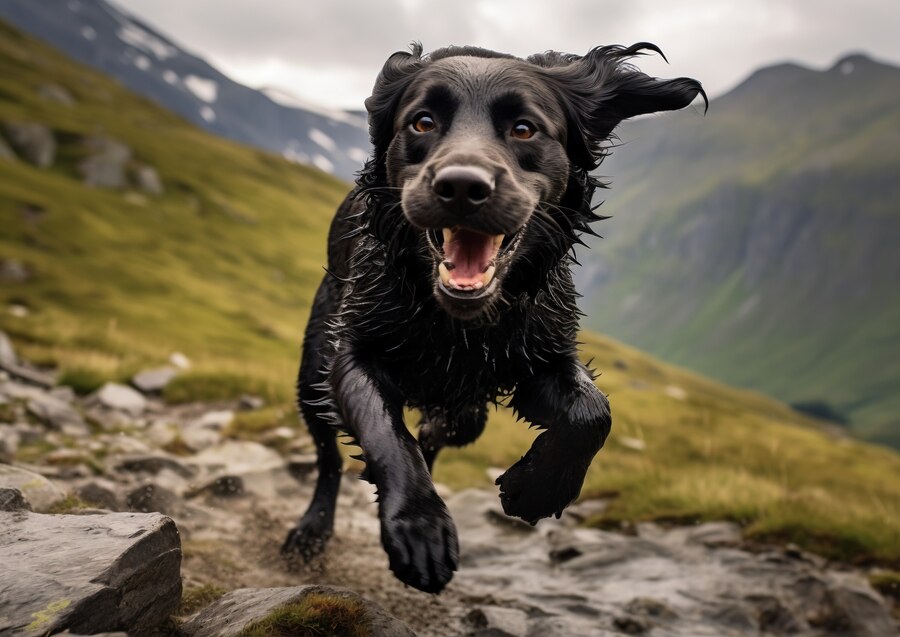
(87, 541)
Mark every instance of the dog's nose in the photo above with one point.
(463, 189)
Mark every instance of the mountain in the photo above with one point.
(99, 34)
(758, 244)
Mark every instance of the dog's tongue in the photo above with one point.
(470, 253)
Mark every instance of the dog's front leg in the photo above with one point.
(416, 529)
(576, 419)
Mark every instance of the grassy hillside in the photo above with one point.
(757, 244)
(222, 267)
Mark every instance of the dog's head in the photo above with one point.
(490, 155)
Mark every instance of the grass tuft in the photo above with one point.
(315, 615)
(198, 597)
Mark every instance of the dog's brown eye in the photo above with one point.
(424, 123)
(523, 130)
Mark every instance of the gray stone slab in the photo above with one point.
(87, 573)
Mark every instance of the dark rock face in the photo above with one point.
(33, 142)
(87, 573)
(13, 500)
(239, 609)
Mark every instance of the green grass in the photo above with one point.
(195, 598)
(315, 615)
(223, 267)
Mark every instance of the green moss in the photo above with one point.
(70, 505)
(314, 616)
(83, 380)
(252, 424)
(198, 597)
(886, 582)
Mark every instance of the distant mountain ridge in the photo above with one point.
(758, 244)
(101, 35)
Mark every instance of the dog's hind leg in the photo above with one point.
(438, 430)
(314, 529)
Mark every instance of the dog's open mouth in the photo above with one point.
(468, 259)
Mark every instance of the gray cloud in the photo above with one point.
(330, 51)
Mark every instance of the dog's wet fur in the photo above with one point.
(449, 285)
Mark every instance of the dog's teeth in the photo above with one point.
(445, 273)
(478, 285)
(448, 234)
(488, 275)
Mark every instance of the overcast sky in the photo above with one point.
(329, 51)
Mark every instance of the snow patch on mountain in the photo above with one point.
(323, 163)
(142, 62)
(137, 37)
(205, 89)
(170, 76)
(322, 139)
(357, 154)
(88, 33)
(286, 98)
(208, 114)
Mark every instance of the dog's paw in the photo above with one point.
(308, 539)
(422, 547)
(532, 491)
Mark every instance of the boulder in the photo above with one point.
(56, 93)
(121, 397)
(152, 497)
(231, 614)
(9, 442)
(87, 573)
(14, 271)
(38, 490)
(153, 463)
(179, 360)
(57, 414)
(13, 500)
(106, 162)
(249, 402)
(153, 381)
(147, 179)
(494, 621)
(33, 142)
(7, 351)
(100, 492)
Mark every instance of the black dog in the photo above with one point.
(449, 285)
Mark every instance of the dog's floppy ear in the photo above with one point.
(601, 89)
(390, 85)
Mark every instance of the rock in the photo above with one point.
(38, 490)
(14, 271)
(631, 625)
(106, 162)
(494, 621)
(33, 142)
(200, 438)
(9, 442)
(56, 93)
(6, 153)
(153, 381)
(248, 402)
(179, 360)
(121, 397)
(147, 179)
(649, 607)
(102, 493)
(12, 500)
(88, 573)
(57, 415)
(217, 420)
(634, 444)
(302, 466)
(7, 351)
(161, 433)
(63, 393)
(152, 497)
(223, 486)
(237, 456)
(852, 608)
(676, 392)
(231, 614)
(153, 463)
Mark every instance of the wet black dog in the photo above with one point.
(449, 285)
